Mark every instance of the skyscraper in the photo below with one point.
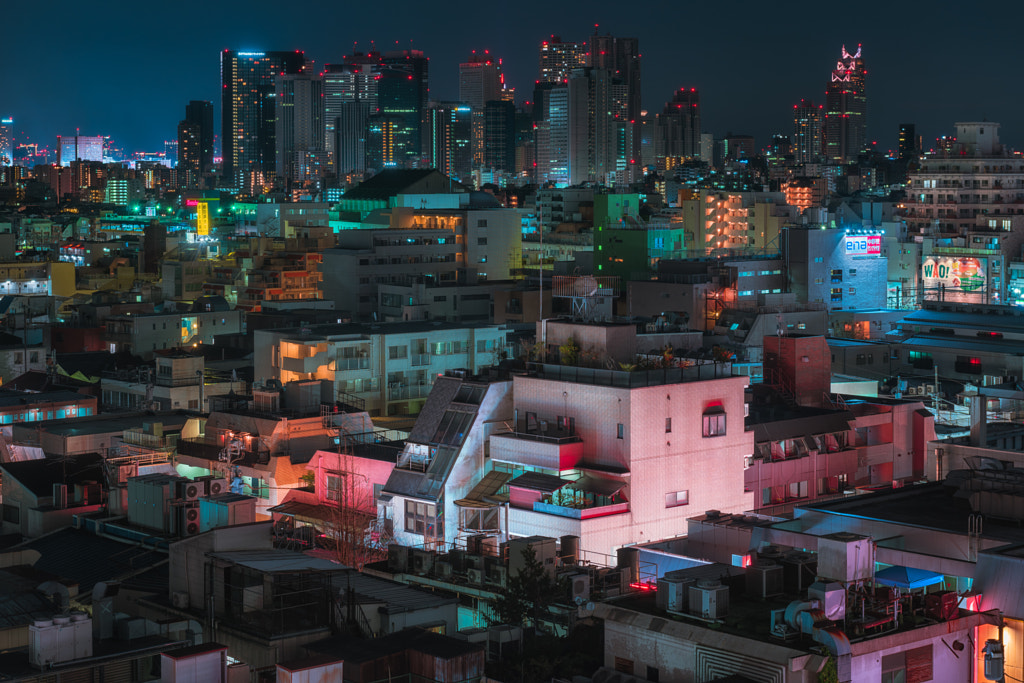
(299, 129)
(248, 109)
(451, 139)
(480, 82)
(846, 109)
(620, 57)
(6, 141)
(195, 143)
(201, 113)
(552, 134)
(807, 132)
(910, 144)
(677, 128)
(500, 136)
(595, 104)
(79, 147)
(397, 129)
(350, 95)
(557, 59)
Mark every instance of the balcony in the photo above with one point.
(551, 450)
(186, 381)
(419, 359)
(307, 365)
(210, 448)
(361, 363)
(402, 392)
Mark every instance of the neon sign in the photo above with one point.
(863, 245)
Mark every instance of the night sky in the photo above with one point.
(111, 68)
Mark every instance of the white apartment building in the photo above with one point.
(386, 369)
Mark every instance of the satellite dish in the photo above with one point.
(585, 286)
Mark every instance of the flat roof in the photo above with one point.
(324, 330)
(105, 423)
(1013, 347)
(270, 561)
(9, 397)
(927, 506)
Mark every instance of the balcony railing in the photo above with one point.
(582, 512)
(352, 364)
(399, 393)
(192, 381)
(420, 359)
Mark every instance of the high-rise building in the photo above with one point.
(909, 143)
(397, 131)
(620, 57)
(558, 59)
(597, 104)
(552, 134)
(201, 113)
(480, 82)
(6, 141)
(248, 109)
(189, 165)
(846, 109)
(807, 132)
(677, 129)
(195, 143)
(299, 129)
(79, 148)
(451, 139)
(500, 136)
(350, 96)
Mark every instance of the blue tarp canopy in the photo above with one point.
(907, 577)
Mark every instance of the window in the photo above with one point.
(482, 241)
(853, 271)
(481, 223)
(861, 359)
(397, 352)
(911, 666)
(619, 431)
(668, 425)
(818, 259)
(677, 498)
(652, 673)
(714, 422)
(334, 484)
(419, 518)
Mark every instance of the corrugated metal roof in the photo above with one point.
(538, 481)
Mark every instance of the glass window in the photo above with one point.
(668, 425)
(420, 518)
(677, 498)
(620, 431)
(714, 424)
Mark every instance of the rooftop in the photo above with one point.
(321, 332)
(630, 380)
(271, 561)
(112, 422)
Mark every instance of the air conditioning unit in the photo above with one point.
(189, 525)
(579, 588)
(422, 561)
(215, 487)
(475, 576)
(929, 388)
(179, 599)
(498, 575)
(398, 558)
(472, 562)
(191, 490)
(673, 593)
(443, 569)
(709, 599)
(764, 579)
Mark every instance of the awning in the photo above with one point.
(598, 485)
(486, 487)
(322, 514)
(538, 481)
(907, 577)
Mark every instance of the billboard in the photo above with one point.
(955, 278)
(862, 245)
(203, 218)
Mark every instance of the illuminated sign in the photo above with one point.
(863, 245)
(191, 202)
(203, 218)
(960, 278)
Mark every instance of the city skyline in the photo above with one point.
(748, 84)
